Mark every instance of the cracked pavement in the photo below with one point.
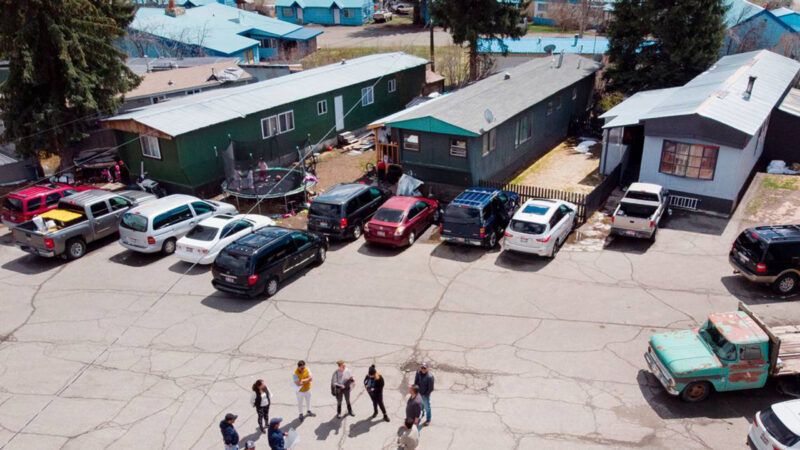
(126, 350)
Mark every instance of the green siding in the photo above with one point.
(190, 160)
(432, 125)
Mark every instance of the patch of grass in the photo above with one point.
(546, 29)
(788, 182)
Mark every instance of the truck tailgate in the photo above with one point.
(789, 350)
(27, 238)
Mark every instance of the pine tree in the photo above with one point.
(625, 34)
(64, 70)
(469, 20)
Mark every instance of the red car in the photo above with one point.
(401, 220)
(24, 204)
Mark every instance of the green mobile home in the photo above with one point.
(494, 128)
(181, 141)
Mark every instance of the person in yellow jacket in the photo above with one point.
(302, 379)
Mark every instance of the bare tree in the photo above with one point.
(148, 39)
(566, 16)
(789, 46)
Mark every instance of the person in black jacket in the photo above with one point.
(374, 383)
(424, 379)
(229, 435)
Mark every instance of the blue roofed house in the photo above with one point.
(217, 30)
(325, 12)
(524, 49)
(777, 30)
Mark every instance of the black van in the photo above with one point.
(343, 210)
(769, 255)
(257, 263)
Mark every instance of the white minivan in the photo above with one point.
(156, 226)
(540, 227)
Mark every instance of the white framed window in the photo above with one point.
(269, 43)
(392, 85)
(150, 146)
(574, 93)
(193, 91)
(288, 12)
(458, 147)
(524, 130)
(367, 96)
(322, 107)
(411, 142)
(158, 99)
(278, 124)
(489, 141)
(348, 13)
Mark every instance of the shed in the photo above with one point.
(325, 12)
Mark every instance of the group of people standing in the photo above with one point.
(342, 383)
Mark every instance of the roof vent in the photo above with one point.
(575, 41)
(506, 76)
(560, 60)
(750, 83)
(170, 82)
(344, 61)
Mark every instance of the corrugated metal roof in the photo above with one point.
(739, 11)
(780, 12)
(198, 111)
(202, 76)
(585, 46)
(321, 3)
(718, 93)
(630, 111)
(529, 84)
(791, 104)
(214, 26)
(302, 34)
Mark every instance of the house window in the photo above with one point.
(322, 107)
(541, 7)
(348, 13)
(549, 107)
(367, 96)
(158, 99)
(411, 142)
(150, 146)
(193, 91)
(274, 125)
(392, 85)
(288, 12)
(689, 160)
(524, 130)
(458, 147)
(269, 43)
(489, 141)
(574, 93)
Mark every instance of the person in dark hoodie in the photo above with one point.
(424, 379)
(276, 437)
(229, 435)
(374, 383)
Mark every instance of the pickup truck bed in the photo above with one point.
(784, 345)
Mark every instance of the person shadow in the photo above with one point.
(363, 426)
(326, 428)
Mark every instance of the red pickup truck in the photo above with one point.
(24, 204)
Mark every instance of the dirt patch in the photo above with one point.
(775, 200)
(565, 168)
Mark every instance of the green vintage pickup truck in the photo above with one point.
(730, 351)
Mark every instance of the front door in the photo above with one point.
(338, 110)
(336, 19)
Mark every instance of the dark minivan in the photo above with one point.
(257, 263)
(342, 211)
(769, 255)
(478, 216)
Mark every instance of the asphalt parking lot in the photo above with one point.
(134, 351)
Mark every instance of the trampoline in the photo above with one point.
(271, 183)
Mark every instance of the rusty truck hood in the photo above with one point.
(683, 353)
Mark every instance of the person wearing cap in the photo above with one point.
(408, 436)
(374, 384)
(229, 435)
(276, 437)
(414, 405)
(341, 383)
(302, 379)
(424, 379)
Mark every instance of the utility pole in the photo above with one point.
(430, 25)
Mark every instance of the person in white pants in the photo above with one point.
(302, 379)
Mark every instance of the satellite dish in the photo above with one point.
(549, 49)
(488, 115)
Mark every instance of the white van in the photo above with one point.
(156, 226)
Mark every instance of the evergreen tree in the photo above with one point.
(469, 20)
(64, 70)
(625, 34)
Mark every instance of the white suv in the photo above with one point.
(777, 427)
(540, 227)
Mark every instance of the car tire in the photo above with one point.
(437, 216)
(411, 238)
(653, 236)
(786, 284)
(271, 287)
(168, 247)
(357, 231)
(76, 248)
(491, 241)
(554, 251)
(321, 255)
(696, 391)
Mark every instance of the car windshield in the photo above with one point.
(718, 343)
(461, 214)
(202, 233)
(13, 204)
(778, 429)
(521, 226)
(134, 222)
(389, 215)
(232, 263)
(324, 210)
(749, 242)
(638, 195)
(636, 210)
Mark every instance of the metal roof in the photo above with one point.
(780, 12)
(499, 98)
(321, 3)
(791, 104)
(213, 26)
(718, 93)
(194, 112)
(631, 110)
(789, 17)
(585, 46)
(739, 11)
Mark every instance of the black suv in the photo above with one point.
(257, 263)
(342, 211)
(769, 255)
(478, 216)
